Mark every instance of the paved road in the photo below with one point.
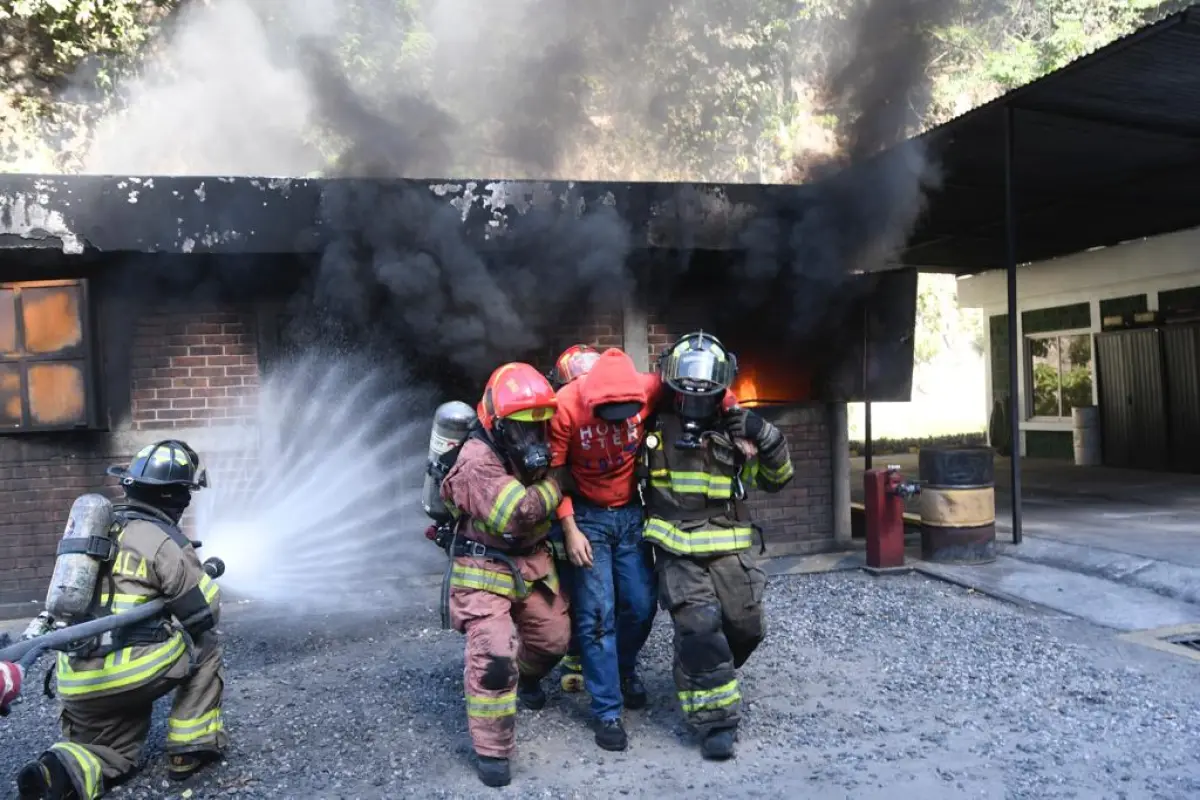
(1147, 514)
(868, 688)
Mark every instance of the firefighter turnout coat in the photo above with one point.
(107, 691)
(708, 578)
(513, 627)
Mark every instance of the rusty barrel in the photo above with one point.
(958, 504)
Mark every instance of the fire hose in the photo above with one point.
(18, 659)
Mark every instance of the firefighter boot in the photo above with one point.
(182, 766)
(45, 779)
(531, 693)
(572, 675)
(718, 744)
(493, 771)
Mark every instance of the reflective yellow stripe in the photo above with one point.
(482, 707)
(485, 580)
(537, 531)
(710, 699)
(118, 672)
(572, 664)
(506, 503)
(718, 487)
(549, 494)
(551, 579)
(749, 473)
(210, 588)
(779, 475)
(708, 541)
(88, 764)
(123, 602)
(180, 731)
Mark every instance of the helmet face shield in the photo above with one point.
(694, 371)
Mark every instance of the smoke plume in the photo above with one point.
(861, 204)
(455, 89)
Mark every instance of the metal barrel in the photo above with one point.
(1086, 434)
(958, 504)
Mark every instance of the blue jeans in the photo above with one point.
(615, 602)
(566, 578)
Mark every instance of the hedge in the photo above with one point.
(891, 447)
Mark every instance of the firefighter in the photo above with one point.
(696, 461)
(108, 687)
(504, 591)
(574, 362)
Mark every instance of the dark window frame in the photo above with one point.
(1069, 333)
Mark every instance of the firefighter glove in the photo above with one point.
(742, 423)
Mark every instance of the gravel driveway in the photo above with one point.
(866, 688)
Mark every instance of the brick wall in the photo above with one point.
(193, 369)
(799, 519)
(186, 370)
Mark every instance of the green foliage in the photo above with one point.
(893, 447)
(733, 86)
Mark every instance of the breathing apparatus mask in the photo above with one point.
(525, 443)
(699, 370)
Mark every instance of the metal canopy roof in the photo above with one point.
(1105, 150)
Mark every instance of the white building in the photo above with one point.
(1144, 378)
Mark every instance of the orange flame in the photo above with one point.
(785, 385)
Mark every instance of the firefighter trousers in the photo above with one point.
(104, 736)
(716, 609)
(505, 638)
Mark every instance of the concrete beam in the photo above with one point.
(636, 334)
(840, 462)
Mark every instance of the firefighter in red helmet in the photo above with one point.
(504, 594)
(574, 362)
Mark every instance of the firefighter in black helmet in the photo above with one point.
(108, 689)
(696, 462)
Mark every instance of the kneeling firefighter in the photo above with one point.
(695, 464)
(504, 592)
(574, 362)
(114, 557)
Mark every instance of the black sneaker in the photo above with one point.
(45, 779)
(493, 771)
(718, 744)
(610, 735)
(530, 692)
(634, 692)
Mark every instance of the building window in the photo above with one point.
(45, 370)
(1060, 373)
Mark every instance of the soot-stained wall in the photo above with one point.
(162, 368)
(181, 363)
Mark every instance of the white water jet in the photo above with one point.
(314, 505)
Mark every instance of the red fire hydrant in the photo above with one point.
(886, 491)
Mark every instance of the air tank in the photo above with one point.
(451, 423)
(75, 573)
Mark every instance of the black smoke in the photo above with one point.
(859, 206)
(460, 292)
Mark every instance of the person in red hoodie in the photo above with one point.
(595, 436)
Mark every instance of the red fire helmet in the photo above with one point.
(519, 392)
(575, 362)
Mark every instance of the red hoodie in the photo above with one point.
(602, 455)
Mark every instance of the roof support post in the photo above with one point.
(868, 445)
(1014, 350)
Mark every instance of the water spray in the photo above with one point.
(314, 504)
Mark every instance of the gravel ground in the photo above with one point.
(892, 688)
